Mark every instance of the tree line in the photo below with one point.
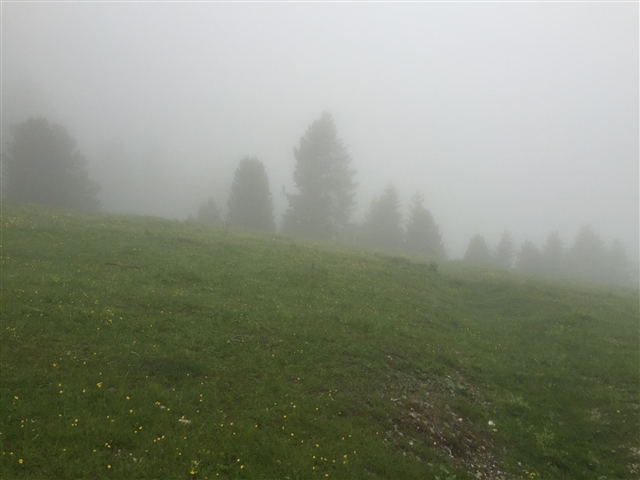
(321, 207)
(43, 165)
(587, 259)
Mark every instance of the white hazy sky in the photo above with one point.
(506, 116)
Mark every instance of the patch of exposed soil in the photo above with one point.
(424, 414)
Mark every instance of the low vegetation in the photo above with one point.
(135, 347)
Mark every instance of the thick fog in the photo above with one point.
(520, 117)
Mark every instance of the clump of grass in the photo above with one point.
(137, 347)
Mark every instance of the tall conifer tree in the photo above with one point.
(324, 180)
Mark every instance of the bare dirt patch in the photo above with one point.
(426, 413)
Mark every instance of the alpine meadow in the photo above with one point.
(319, 240)
(137, 347)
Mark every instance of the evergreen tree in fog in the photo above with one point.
(209, 213)
(504, 253)
(478, 252)
(553, 258)
(529, 258)
(587, 257)
(324, 179)
(382, 228)
(423, 235)
(42, 165)
(250, 203)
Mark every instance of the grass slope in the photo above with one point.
(136, 347)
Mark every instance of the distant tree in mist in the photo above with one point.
(324, 179)
(587, 258)
(42, 165)
(478, 252)
(553, 256)
(209, 213)
(250, 204)
(423, 236)
(529, 258)
(504, 252)
(382, 228)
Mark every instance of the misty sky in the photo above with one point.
(520, 117)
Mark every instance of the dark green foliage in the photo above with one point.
(250, 203)
(423, 236)
(382, 228)
(209, 213)
(529, 258)
(324, 179)
(503, 257)
(478, 252)
(42, 165)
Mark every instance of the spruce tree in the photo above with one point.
(324, 180)
(250, 205)
(423, 236)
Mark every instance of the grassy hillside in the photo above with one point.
(144, 348)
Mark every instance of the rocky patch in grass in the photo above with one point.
(429, 411)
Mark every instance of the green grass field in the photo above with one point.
(135, 347)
